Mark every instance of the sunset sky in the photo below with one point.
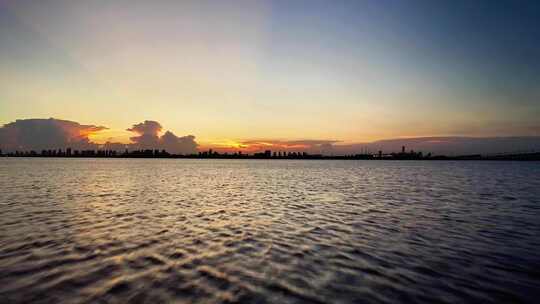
(238, 71)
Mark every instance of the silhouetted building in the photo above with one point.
(268, 154)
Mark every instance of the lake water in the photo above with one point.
(268, 231)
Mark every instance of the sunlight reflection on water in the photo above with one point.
(281, 231)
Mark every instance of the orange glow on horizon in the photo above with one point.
(108, 135)
(232, 146)
(249, 146)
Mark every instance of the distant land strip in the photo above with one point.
(149, 153)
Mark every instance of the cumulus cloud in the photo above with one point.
(39, 134)
(45, 134)
(178, 145)
(147, 127)
(148, 138)
(148, 134)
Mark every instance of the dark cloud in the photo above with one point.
(499, 128)
(435, 145)
(148, 134)
(147, 127)
(178, 145)
(39, 134)
(448, 145)
(534, 128)
(148, 138)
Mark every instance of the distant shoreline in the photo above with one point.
(512, 157)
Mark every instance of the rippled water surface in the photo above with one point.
(276, 231)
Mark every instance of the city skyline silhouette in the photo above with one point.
(53, 134)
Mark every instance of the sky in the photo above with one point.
(235, 73)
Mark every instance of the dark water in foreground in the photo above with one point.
(256, 231)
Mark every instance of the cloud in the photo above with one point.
(148, 132)
(39, 134)
(147, 127)
(178, 145)
(435, 145)
(313, 146)
(448, 145)
(45, 134)
(148, 138)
